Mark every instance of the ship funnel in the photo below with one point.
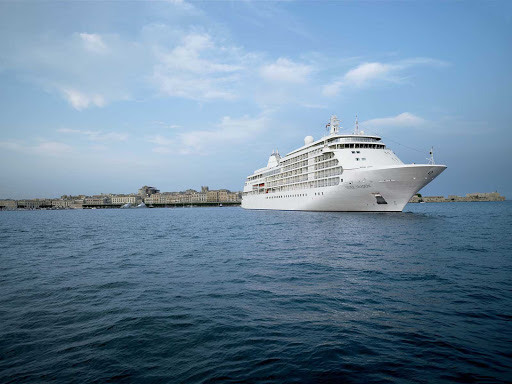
(273, 160)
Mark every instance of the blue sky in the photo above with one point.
(108, 96)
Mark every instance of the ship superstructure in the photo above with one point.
(339, 172)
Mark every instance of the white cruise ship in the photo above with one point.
(339, 172)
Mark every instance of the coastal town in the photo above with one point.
(151, 197)
(146, 196)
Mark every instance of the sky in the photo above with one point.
(104, 97)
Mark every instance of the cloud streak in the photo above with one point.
(403, 120)
(285, 70)
(43, 148)
(198, 68)
(93, 42)
(371, 73)
(204, 141)
(96, 135)
(81, 101)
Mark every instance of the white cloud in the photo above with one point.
(161, 150)
(68, 130)
(81, 101)
(403, 120)
(51, 148)
(97, 135)
(10, 145)
(166, 125)
(93, 42)
(185, 6)
(315, 106)
(44, 148)
(191, 87)
(333, 88)
(228, 131)
(285, 70)
(159, 140)
(198, 68)
(366, 74)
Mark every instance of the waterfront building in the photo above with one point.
(60, 203)
(33, 204)
(199, 198)
(223, 195)
(126, 199)
(97, 200)
(147, 191)
(8, 204)
(233, 197)
(212, 196)
(161, 198)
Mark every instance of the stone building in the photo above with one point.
(126, 199)
(8, 204)
(147, 191)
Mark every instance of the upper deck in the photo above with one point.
(311, 148)
(336, 138)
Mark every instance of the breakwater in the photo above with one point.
(470, 197)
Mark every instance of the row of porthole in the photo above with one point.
(280, 197)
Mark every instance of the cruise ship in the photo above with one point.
(339, 172)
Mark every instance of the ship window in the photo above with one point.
(357, 158)
(364, 159)
(358, 151)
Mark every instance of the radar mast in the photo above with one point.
(431, 159)
(334, 125)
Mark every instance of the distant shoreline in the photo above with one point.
(469, 198)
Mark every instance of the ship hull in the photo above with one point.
(385, 189)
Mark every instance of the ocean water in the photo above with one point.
(202, 295)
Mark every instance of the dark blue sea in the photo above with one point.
(203, 295)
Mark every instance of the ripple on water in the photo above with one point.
(226, 295)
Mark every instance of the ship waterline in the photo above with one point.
(354, 172)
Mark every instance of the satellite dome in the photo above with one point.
(308, 140)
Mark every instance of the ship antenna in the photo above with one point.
(431, 158)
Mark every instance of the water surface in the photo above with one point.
(224, 295)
